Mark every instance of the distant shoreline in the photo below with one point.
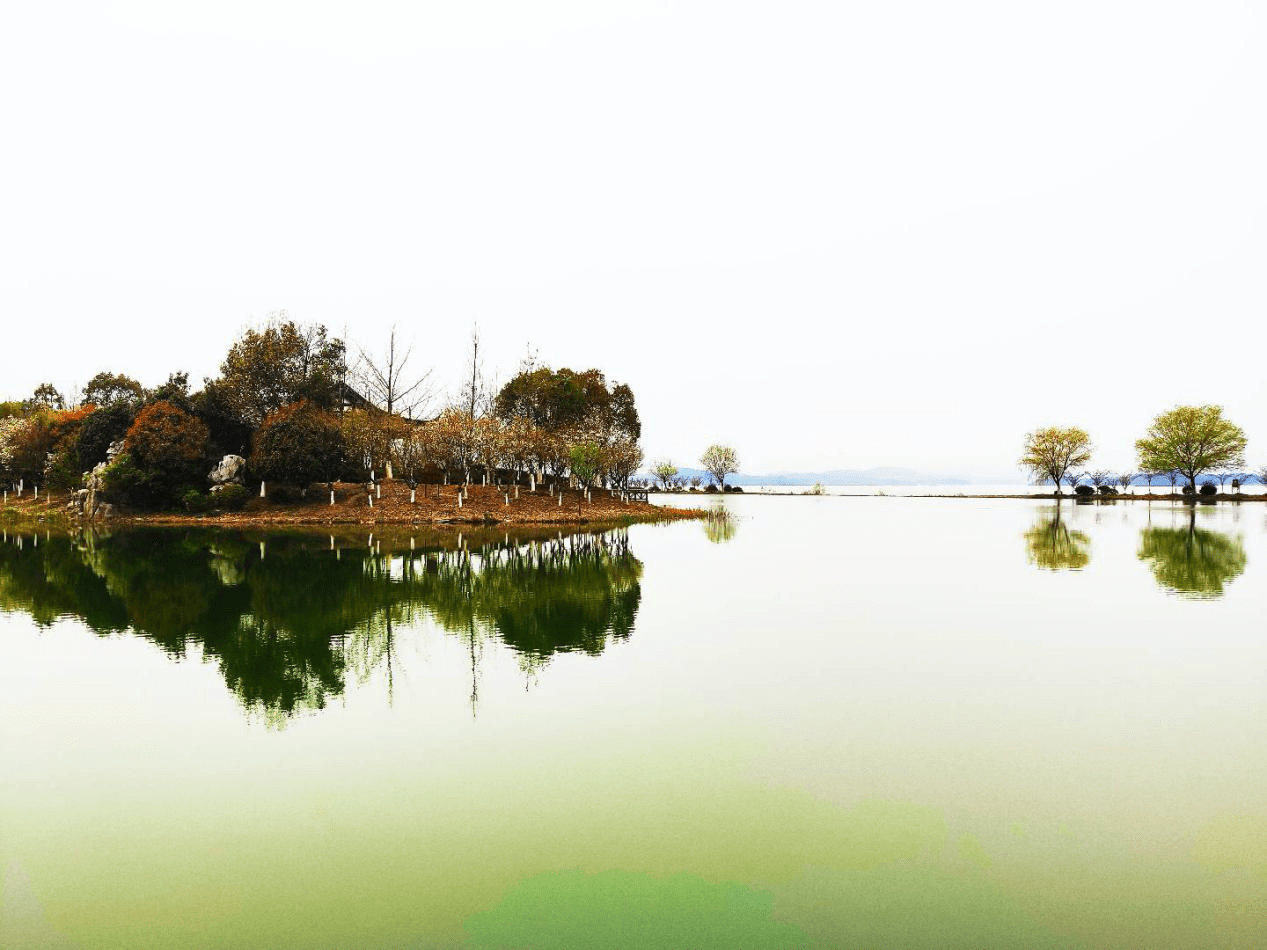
(1045, 496)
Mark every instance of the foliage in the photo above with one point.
(232, 497)
(664, 472)
(720, 461)
(1191, 440)
(195, 501)
(108, 389)
(166, 450)
(620, 460)
(104, 425)
(586, 459)
(45, 397)
(564, 399)
(298, 444)
(1050, 453)
(64, 463)
(25, 443)
(279, 365)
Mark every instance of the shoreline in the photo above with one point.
(1047, 496)
(434, 506)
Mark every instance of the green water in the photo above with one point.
(825, 722)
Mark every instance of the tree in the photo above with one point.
(1125, 480)
(620, 460)
(664, 472)
(1192, 440)
(164, 450)
(585, 459)
(282, 364)
(1072, 479)
(1051, 452)
(106, 389)
(384, 381)
(45, 396)
(720, 461)
(298, 444)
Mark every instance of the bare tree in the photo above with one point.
(1125, 480)
(1172, 476)
(387, 382)
(1099, 478)
(1222, 475)
(1073, 478)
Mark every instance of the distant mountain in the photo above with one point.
(840, 476)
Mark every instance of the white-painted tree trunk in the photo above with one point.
(516, 493)
(459, 499)
(370, 499)
(388, 474)
(332, 497)
(412, 495)
(378, 491)
(261, 489)
(532, 482)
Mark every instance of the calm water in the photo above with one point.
(831, 722)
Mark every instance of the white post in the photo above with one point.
(486, 478)
(516, 493)
(560, 499)
(532, 481)
(370, 498)
(378, 490)
(37, 492)
(412, 493)
(331, 496)
(261, 489)
(507, 501)
(459, 499)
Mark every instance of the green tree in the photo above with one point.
(279, 365)
(720, 461)
(106, 389)
(45, 396)
(664, 472)
(1051, 452)
(585, 459)
(1191, 440)
(298, 444)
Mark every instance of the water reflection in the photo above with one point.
(1193, 562)
(720, 524)
(1053, 546)
(288, 618)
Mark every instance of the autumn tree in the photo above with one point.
(282, 364)
(298, 444)
(621, 460)
(1191, 440)
(165, 450)
(720, 461)
(1050, 453)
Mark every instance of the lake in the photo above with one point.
(833, 722)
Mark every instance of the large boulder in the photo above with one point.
(230, 471)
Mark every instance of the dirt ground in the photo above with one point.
(433, 504)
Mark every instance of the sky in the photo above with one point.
(831, 235)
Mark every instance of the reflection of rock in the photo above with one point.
(1053, 547)
(1192, 561)
(230, 471)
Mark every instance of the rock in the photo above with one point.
(230, 471)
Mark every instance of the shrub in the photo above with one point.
(1084, 491)
(1209, 488)
(195, 501)
(298, 444)
(286, 494)
(710, 489)
(231, 498)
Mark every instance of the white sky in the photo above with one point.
(832, 235)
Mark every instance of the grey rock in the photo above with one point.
(230, 471)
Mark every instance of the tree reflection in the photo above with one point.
(1192, 561)
(287, 619)
(1052, 546)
